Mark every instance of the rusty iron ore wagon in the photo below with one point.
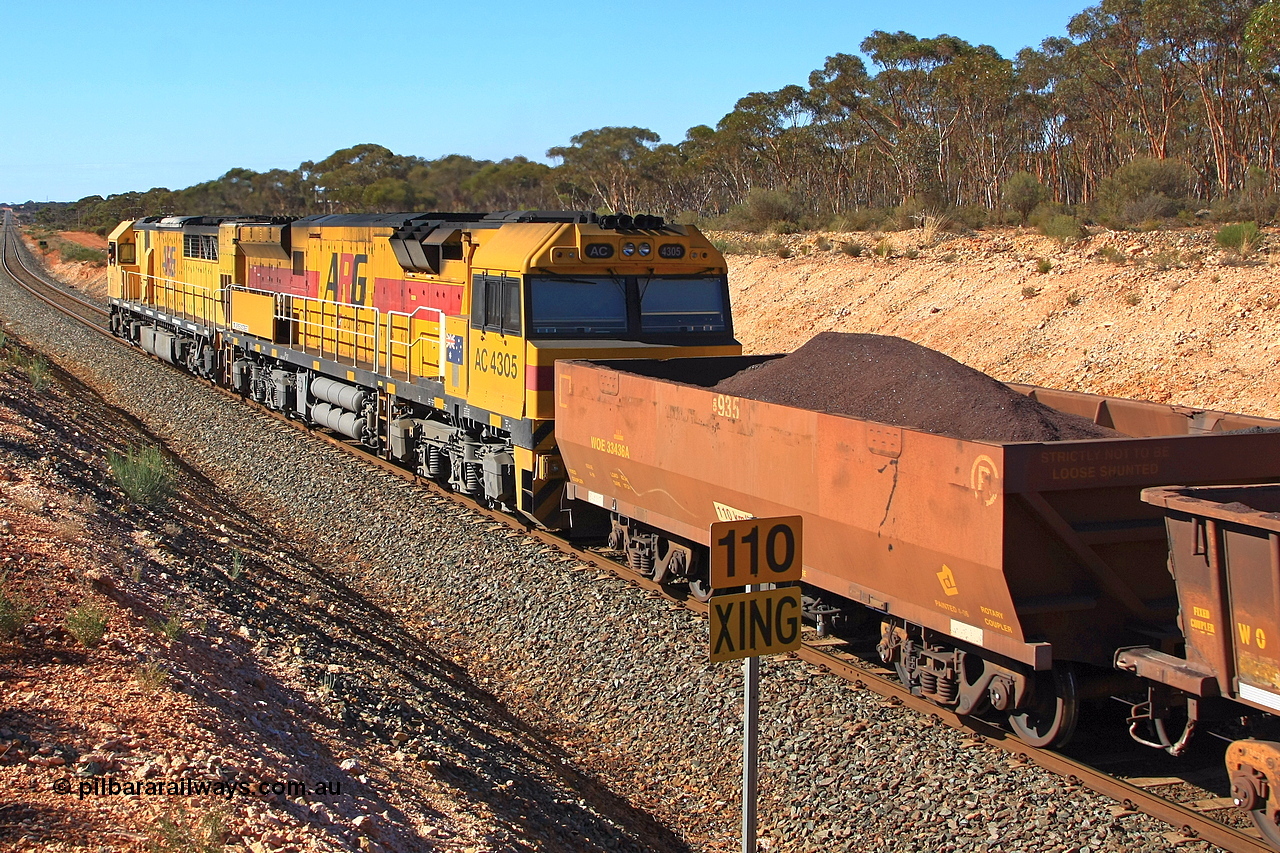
(1224, 554)
(1004, 575)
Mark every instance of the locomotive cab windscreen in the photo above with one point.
(628, 307)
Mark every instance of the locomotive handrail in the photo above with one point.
(410, 346)
(296, 311)
(171, 294)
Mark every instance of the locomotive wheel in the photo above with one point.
(1051, 720)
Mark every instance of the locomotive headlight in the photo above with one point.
(645, 249)
(628, 249)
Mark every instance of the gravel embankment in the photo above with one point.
(617, 678)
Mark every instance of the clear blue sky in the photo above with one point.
(129, 96)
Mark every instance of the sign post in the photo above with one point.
(750, 749)
(755, 553)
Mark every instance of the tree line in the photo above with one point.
(1147, 109)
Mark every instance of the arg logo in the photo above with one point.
(948, 581)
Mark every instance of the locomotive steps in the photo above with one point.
(614, 678)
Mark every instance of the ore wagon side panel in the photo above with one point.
(907, 522)
(1014, 548)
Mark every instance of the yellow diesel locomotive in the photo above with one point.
(430, 338)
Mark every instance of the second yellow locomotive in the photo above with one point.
(431, 338)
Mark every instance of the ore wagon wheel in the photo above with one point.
(672, 565)
(1267, 826)
(700, 588)
(1051, 719)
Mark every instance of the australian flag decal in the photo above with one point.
(453, 349)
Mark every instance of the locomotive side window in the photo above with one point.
(126, 253)
(299, 263)
(495, 304)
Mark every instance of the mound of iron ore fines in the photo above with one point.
(894, 381)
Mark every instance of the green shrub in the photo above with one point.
(1114, 255)
(822, 244)
(764, 208)
(784, 252)
(1145, 189)
(1024, 193)
(907, 215)
(1074, 298)
(1242, 237)
(767, 246)
(853, 248)
(37, 371)
(969, 216)
(1132, 299)
(75, 252)
(1165, 259)
(1044, 265)
(911, 254)
(15, 613)
(1030, 292)
(88, 624)
(1146, 212)
(862, 219)
(182, 833)
(172, 628)
(151, 677)
(1062, 228)
(884, 248)
(142, 473)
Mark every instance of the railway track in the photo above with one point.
(24, 274)
(1192, 795)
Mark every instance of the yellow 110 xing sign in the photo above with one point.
(748, 552)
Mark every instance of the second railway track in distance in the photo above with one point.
(1188, 814)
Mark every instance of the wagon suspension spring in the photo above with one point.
(435, 462)
(640, 560)
(928, 681)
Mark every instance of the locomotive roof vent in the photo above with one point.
(425, 246)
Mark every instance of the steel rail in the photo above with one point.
(1192, 824)
(40, 287)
